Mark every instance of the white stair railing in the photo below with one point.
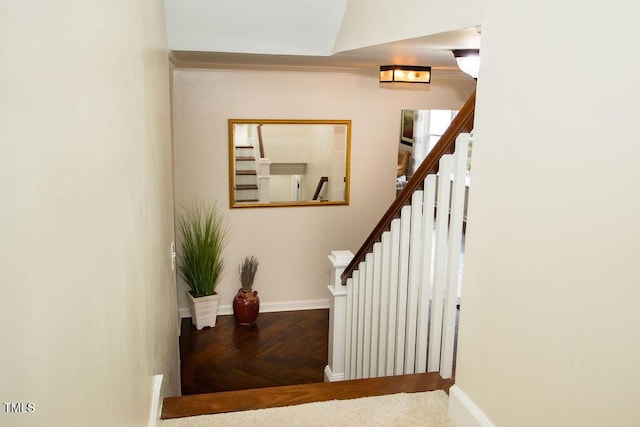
(397, 313)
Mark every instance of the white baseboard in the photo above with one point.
(330, 377)
(156, 400)
(291, 306)
(464, 412)
(270, 307)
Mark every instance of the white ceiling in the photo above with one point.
(291, 34)
(281, 27)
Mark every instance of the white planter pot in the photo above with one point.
(204, 310)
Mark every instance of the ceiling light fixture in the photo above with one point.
(405, 74)
(468, 61)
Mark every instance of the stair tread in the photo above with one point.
(245, 158)
(272, 397)
(244, 146)
(246, 187)
(245, 172)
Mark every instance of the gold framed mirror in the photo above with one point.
(275, 163)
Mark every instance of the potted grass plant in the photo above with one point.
(204, 231)
(246, 303)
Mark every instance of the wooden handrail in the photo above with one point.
(261, 145)
(462, 123)
(323, 179)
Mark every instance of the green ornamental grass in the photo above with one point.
(204, 235)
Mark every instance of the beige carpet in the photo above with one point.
(402, 409)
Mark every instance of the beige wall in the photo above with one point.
(549, 325)
(87, 296)
(292, 244)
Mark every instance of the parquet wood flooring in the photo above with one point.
(283, 348)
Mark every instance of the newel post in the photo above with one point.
(334, 371)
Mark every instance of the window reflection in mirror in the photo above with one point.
(288, 162)
(419, 133)
(427, 128)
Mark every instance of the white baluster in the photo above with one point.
(375, 306)
(384, 302)
(368, 308)
(349, 354)
(429, 206)
(439, 282)
(393, 297)
(455, 247)
(415, 272)
(362, 276)
(403, 278)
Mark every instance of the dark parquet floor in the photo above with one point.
(283, 348)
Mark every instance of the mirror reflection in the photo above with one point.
(288, 162)
(420, 131)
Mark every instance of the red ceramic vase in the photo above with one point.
(246, 306)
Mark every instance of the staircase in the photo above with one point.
(394, 306)
(272, 397)
(246, 179)
(393, 314)
(259, 359)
